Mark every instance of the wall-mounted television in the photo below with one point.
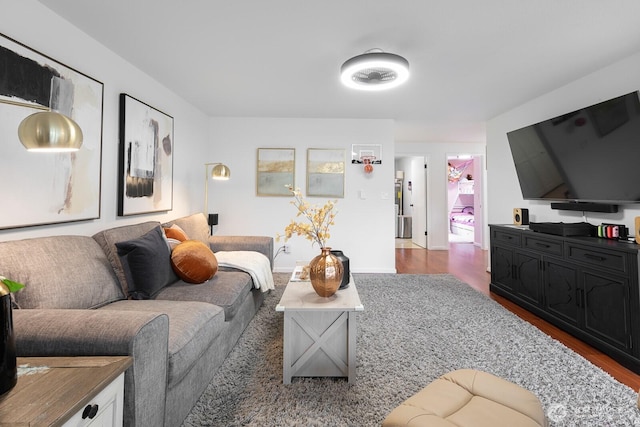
(588, 155)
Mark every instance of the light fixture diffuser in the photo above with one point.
(375, 71)
(50, 131)
(47, 130)
(221, 172)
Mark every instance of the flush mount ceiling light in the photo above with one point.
(374, 70)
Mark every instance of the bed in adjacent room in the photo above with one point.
(461, 221)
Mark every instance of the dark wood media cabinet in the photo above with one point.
(587, 286)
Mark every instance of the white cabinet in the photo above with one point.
(104, 410)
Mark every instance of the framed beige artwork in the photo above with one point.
(275, 171)
(325, 172)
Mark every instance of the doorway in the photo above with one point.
(411, 202)
(462, 198)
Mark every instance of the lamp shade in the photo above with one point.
(218, 172)
(374, 71)
(50, 131)
(221, 172)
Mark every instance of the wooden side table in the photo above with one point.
(319, 333)
(63, 391)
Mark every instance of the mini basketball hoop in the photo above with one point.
(366, 155)
(368, 162)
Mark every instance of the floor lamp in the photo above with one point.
(47, 130)
(218, 172)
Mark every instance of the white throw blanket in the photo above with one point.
(254, 263)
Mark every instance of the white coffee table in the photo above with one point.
(319, 333)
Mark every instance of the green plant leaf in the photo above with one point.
(13, 286)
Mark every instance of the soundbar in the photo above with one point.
(564, 229)
(585, 206)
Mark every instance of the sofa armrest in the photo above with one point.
(262, 244)
(142, 335)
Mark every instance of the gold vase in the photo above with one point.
(325, 273)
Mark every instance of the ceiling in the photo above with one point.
(470, 60)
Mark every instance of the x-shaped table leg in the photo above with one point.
(320, 342)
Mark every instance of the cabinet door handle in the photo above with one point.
(543, 245)
(579, 297)
(594, 257)
(90, 412)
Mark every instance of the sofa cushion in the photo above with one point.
(59, 272)
(147, 264)
(193, 261)
(193, 326)
(226, 289)
(108, 239)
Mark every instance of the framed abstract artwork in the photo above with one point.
(325, 172)
(276, 171)
(146, 158)
(54, 187)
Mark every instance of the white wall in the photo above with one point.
(480, 238)
(365, 228)
(504, 192)
(436, 157)
(32, 24)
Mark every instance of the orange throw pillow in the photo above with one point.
(194, 262)
(175, 232)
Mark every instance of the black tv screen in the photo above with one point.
(588, 155)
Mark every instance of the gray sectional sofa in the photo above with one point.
(75, 303)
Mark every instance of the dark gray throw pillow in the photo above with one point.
(147, 264)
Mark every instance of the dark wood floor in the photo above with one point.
(469, 264)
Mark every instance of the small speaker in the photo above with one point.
(520, 216)
(637, 231)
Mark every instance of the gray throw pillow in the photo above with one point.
(147, 264)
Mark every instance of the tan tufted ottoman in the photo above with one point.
(469, 398)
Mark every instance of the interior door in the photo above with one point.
(418, 196)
